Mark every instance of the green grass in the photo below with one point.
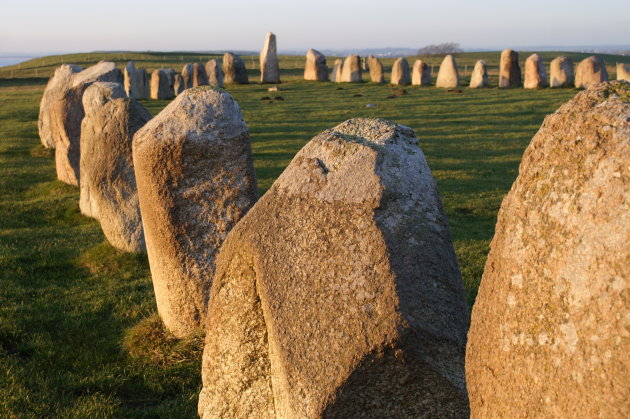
(79, 336)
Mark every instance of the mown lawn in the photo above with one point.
(79, 335)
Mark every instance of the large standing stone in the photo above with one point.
(108, 182)
(66, 116)
(195, 179)
(448, 77)
(561, 72)
(132, 82)
(589, 72)
(400, 72)
(187, 76)
(479, 76)
(549, 334)
(200, 78)
(351, 71)
(144, 84)
(421, 74)
(339, 294)
(535, 73)
(56, 88)
(179, 85)
(623, 71)
(377, 74)
(234, 69)
(509, 69)
(269, 69)
(161, 86)
(336, 71)
(315, 67)
(214, 73)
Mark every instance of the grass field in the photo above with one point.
(79, 335)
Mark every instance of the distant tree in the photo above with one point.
(440, 49)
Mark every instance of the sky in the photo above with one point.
(55, 26)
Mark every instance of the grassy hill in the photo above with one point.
(79, 336)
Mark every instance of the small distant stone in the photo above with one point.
(265, 98)
(273, 89)
(370, 105)
(280, 98)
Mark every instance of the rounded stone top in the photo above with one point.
(100, 93)
(377, 131)
(93, 73)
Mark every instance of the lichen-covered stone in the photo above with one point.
(448, 77)
(509, 69)
(269, 68)
(234, 69)
(401, 75)
(161, 85)
(351, 70)
(589, 72)
(535, 73)
(335, 75)
(214, 73)
(66, 115)
(133, 81)
(421, 74)
(339, 294)
(196, 179)
(315, 67)
(179, 85)
(56, 88)
(108, 183)
(549, 334)
(561, 72)
(187, 76)
(479, 76)
(377, 75)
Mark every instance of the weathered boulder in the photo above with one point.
(66, 115)
(351, 70)
(57, 86)
(561, 72)
(269, 69)
(623, 71)
(143, 82)
(535, 73)
(339, 292)
(589, 72)
(421, 74)
(187, 76)
(196, 179)
(108, 183)
(161, 86)
(179, 85)
(214, 73)
(315, 67)
(448, 77)
(132, 81)
(335, 76)
(234, 69)
(549, 334)
(509, 69)
(377, 75)
(200, 78)
(400, 72)
(479, 76)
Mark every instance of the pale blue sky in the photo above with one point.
(31, 26)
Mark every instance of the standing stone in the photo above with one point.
(315, 67)
(590, 71)
(187, 76)
(339, 292)
(132, 82)
(549, 334)
(108, 182)
(143, 83)
(66, 115)
(195, 179)
(214, 73)
(535, 73)
(56, 88)
(509, 69)
(623, 71)
(337, 70)
(161, 87)
(561, 72)
(421, 74)
(448, 77)
(479, 76)
(199, 75)
(377, 74)
(179, 84)
(269, 69)
(234, 69)
(351, 71)
(400, 72)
